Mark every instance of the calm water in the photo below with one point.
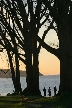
(6, 84)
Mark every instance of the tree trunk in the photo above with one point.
(12, 70)
(17, 75)
(35, 70)
(17, 67)
(29, 70)
(65, 61)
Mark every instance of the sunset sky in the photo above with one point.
(48, 63)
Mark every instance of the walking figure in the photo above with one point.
(49, 91)
(55, 89)
(44, 90)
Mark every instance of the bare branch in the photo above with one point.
(6, 71)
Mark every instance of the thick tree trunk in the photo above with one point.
(35, 70)
(32, 71)
(65, 61)
(29, 70)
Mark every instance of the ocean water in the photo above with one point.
(6, 84)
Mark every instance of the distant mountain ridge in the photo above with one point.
(6, 73)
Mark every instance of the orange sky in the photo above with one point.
(48, 63)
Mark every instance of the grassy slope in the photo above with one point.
(35, 102)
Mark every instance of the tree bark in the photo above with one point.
(29, 70)
(65, 61)
(35, 69)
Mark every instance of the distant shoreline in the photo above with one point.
(6, 73)
(52, 75)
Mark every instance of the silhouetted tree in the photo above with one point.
(61, 12)
(26, 18)
(15, 78)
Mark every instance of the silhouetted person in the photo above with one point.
(55, 89)
(49, 91)
(44, 90)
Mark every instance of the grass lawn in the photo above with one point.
(20, 101)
